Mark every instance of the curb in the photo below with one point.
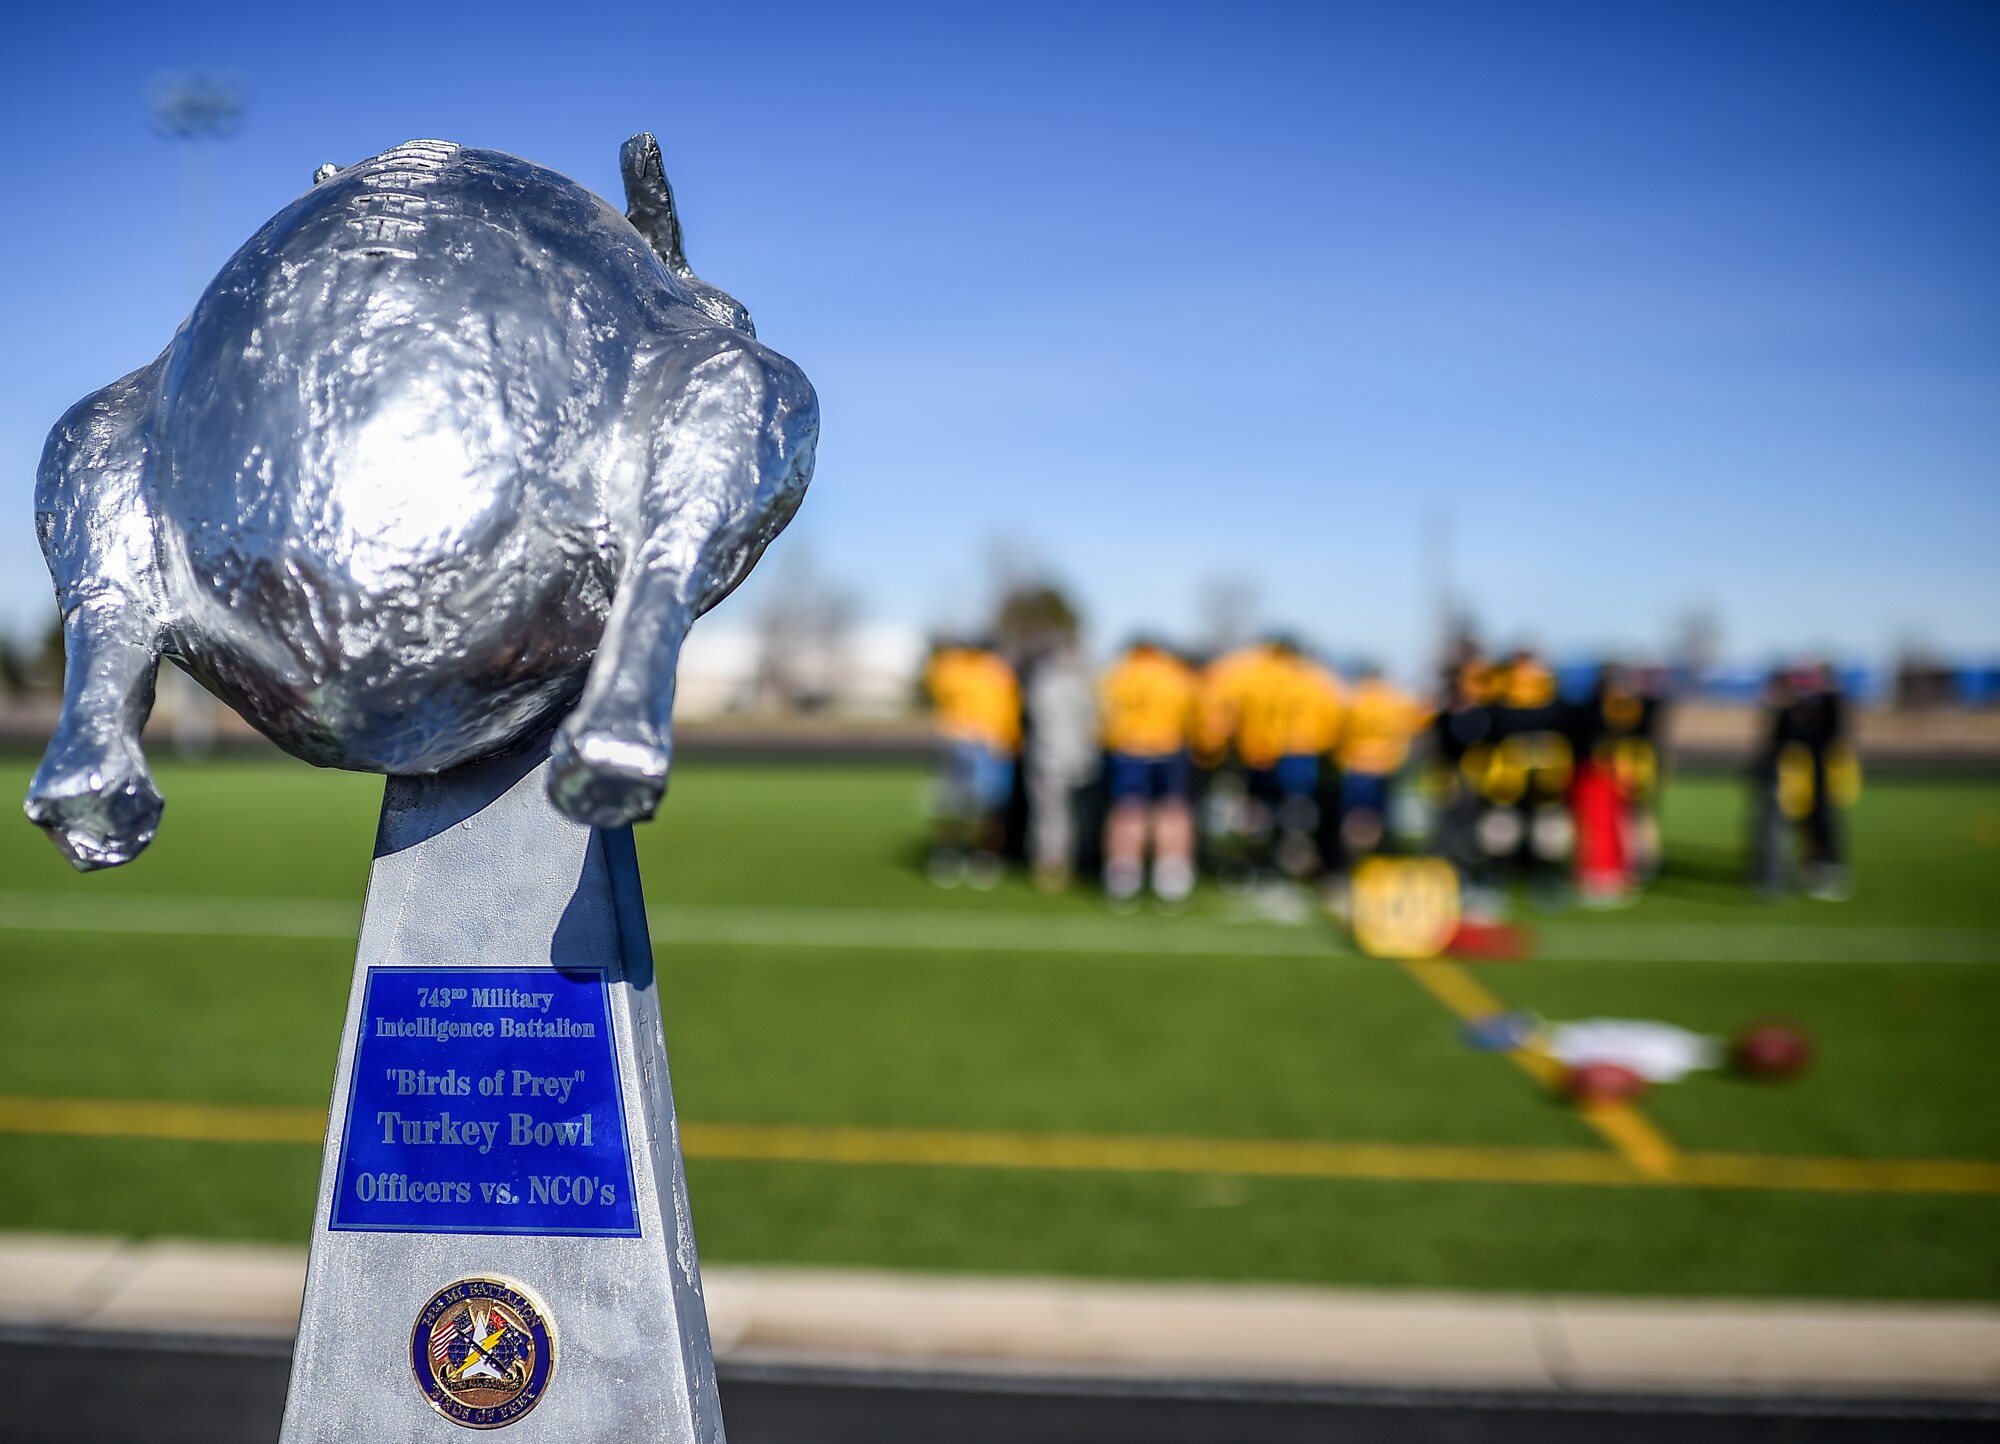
(1053, 1329)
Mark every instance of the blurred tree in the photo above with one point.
(32, 669)
(13, 668)
(1032, 616)
(1697, 645)
(1227, 610)
(1922, 679)
(803, 630)
(1029, 608)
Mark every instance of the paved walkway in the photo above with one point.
(1055, 1327)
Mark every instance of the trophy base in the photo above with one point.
(502, 1238)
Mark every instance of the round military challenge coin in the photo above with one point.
(483, 1350)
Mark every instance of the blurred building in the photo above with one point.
(865, 669)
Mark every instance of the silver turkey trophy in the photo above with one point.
(432, 483)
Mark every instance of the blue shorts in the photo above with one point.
(1136, 778)
(978, 779)
(1368, 790)
(1294, 776)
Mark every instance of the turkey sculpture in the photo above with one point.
(448, 453)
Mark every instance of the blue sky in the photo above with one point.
(1663, 305)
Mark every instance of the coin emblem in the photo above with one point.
(482, 1351)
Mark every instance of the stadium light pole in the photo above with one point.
(1443, 599)
(193, 110)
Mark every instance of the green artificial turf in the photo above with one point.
(1252, 1046)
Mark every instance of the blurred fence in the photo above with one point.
(1701, 735)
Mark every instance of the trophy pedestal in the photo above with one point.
(502, 1238)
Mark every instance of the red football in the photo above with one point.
(1603, 1083)
(1771, 1049)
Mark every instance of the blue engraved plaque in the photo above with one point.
(485, 1100)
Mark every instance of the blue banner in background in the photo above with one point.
(485, 1100)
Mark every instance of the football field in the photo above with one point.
(875, 1072)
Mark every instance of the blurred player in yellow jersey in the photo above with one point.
(976, 701)
(1375, 738)
(1279, 712)
(1146, 704)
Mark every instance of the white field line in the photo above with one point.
(1766, 943)
(984, 931)
(888, 928)
(188, 915)
(994, 931)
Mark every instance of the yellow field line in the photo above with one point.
(1624, 1127)
(1077, 1152)
(187, 1122)
(1837, 1175)
(1099, 1153)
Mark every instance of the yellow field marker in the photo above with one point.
(1621, 1125)
(1082, 1152)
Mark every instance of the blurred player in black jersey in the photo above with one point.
(1614, 766)
(1523, 772)
(1461, 741)
(1805, 777)
(1638, 756)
